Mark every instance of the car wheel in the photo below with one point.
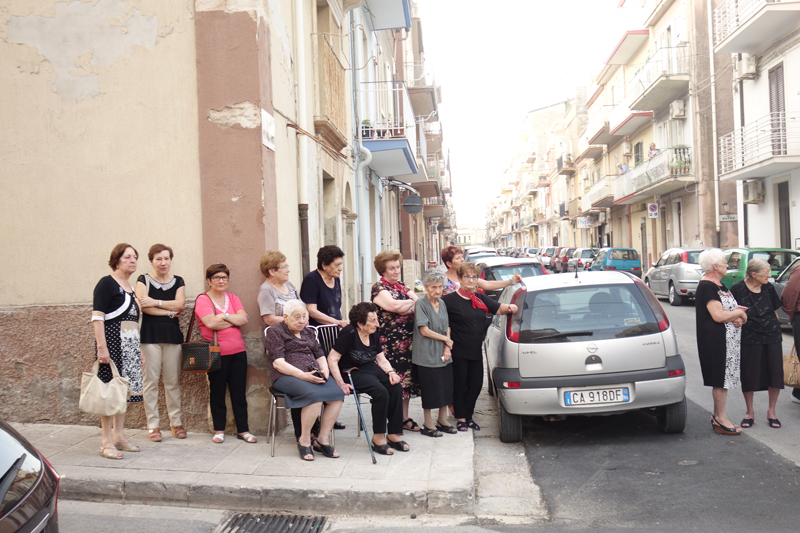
(675, 299)
(510, 425)
(672, 418)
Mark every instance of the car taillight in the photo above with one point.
(580, 263)
(685, 257)
(609, 268)
(514, 320)
(676, 373)
(480, 291)
(544, 270)
(58, 480)
(661, 316)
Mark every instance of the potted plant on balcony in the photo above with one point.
(681, 162)
(366, 129)
(398, 130)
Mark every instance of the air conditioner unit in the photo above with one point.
(626, 148)
(753, 192)
(677, 110)
(746, 68)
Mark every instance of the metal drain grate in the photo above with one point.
(272, 523)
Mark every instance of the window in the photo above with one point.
(638, 153)
(663, 260)
(733, 260)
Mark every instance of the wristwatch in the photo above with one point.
(226, 317)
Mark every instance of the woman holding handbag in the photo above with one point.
(223, 313)
(162, 296)
(790, 298)
(115, 318)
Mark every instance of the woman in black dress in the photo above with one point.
(762, 351)
(719, 319)
(469, 315)
(162, 296)
(359, 347)
(115, 318)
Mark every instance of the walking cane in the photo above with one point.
(360, 414)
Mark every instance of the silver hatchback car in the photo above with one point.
(676, 274)
(597, 343)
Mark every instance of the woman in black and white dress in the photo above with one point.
(115, 318)
(162, 296)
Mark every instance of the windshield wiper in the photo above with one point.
(566, 334)
(8, 479)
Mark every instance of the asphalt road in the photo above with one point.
(619, 472)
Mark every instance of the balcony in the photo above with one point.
(529, 189)
(543, 182)
(655, 10)
(586, 204)
(332, 120)
(433, 206)
(752, 26)
(433, 136)
(389, 14)
(661, 174)
(573, 207)
(662, 79)
(624, 120)
(563, 211)
(768, 146)
(597, 131)
(425, 94)
(565, 165)
(601, 194)
(391, 140)
(586, 150)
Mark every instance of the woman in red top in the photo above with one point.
(222, 312)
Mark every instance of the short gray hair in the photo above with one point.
(755, 266)
(433, 275)
(293, 306)
(711, 257)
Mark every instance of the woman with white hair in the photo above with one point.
(432, 357)
(719, 319)
(762, 351)
(300, 371)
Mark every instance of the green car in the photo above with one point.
(737, 259)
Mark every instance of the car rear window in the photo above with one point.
(19, 469)
(586, 313)
(504, 272)
(586, 253)
(624, 255)
(776, 260)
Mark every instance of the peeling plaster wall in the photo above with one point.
(99, 141)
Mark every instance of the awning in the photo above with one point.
(389, 14)
(391, 157)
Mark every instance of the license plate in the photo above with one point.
(596, 396)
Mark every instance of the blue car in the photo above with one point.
(619, 259)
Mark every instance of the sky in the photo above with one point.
(498, 60)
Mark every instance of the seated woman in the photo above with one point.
(299, 370)
(358, 346)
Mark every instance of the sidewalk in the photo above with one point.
(436, 476)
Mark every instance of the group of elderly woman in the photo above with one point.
(394, 348)
(739, 336)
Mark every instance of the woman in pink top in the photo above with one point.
(222, 312)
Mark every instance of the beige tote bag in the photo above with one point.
(104, 399)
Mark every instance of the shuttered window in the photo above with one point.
(777, 108)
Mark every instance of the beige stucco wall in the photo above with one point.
(99, 141)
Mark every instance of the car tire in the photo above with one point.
(675, 299)
(672, 418)
(510, 425)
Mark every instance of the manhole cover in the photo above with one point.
(271, 523)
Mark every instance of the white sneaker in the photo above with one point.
(795, 400)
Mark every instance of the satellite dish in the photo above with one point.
(412, 204)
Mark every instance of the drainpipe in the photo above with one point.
(302, 119)
(713, 118)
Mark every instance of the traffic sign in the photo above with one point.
(652, 210)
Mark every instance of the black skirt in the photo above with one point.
(762, 366)
(436, 385)
(301, 393)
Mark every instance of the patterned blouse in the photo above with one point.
(301, 353)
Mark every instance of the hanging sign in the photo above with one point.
(412, 204)
(652, 210)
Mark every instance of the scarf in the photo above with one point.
(399, 286)
(476, 302)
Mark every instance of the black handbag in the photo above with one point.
(199, 357)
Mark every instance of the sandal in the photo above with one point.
(446, 428)
(338, 425)
(305, 451)
(413, 427)
(218, 438)
(247, 437)
(774, 423)
(110, 452)
(178, 432)
(154, 435)
(747, 423)
(383, 449)
(400, 445)
(325, 449)
(461, 426)
(430, 432)
(471, 424)
(126, 447)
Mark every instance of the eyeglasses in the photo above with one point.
(220, 278)
(284, 267)
(469, 277)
